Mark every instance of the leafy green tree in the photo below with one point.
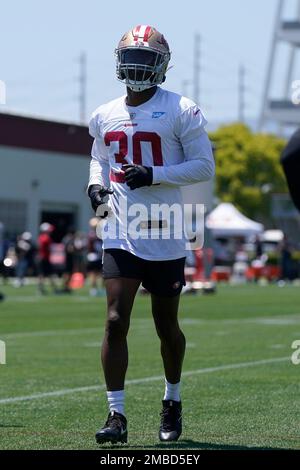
(248, 169)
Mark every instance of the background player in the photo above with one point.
(45, 270)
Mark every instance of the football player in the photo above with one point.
(45, 268)
(147, 144)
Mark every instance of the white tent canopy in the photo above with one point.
(227, 221)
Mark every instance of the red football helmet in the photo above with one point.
(142, 57)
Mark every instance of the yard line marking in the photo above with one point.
(25, 298)
(138, 322)
(155, 378)
(278, 320)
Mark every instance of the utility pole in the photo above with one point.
(185, 87)
(242, 91)
(82, 86)
(197, 67)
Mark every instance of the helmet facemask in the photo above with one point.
(141, 68)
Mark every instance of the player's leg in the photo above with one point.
(52, 283)
(172, 340)
(114, 356)
(93, 276)
(47, 273)
(121, 291)
(41, 277)
(165, 280)
(114, 353)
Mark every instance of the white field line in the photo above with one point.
(156, 378)
(139, 322)
(63, 332)
(39, 298)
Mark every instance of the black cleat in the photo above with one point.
(114, 430)
(171, 421)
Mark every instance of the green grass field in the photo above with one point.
(240, 388)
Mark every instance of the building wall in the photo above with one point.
(36, 180)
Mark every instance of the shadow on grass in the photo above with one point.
(11, 426)
(191, 445)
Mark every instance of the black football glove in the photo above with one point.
(97, 195)
(137, 176)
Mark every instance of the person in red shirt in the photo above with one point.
(44, 250)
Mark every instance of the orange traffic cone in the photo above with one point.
(77, 281)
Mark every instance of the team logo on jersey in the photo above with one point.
(132, 115)
(157, 114)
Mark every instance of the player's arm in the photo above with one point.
(199, 164)
(98, 186)
(199, 168)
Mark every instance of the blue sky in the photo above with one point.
(41, 42)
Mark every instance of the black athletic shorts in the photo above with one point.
(45, 268)
(94, 266)
(161, 278)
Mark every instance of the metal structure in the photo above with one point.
(282, 111)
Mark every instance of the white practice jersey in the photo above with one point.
(168, 134)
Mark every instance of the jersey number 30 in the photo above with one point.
(137, 138)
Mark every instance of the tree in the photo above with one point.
(248, 169)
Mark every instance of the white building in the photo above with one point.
(44, 169)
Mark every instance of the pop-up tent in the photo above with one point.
(227, 221)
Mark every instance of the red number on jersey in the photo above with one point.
(121, 137)
(155, 141)
(137, 138)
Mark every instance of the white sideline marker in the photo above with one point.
(68, 391)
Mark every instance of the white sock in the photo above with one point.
(116, 401)
(172, 391)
